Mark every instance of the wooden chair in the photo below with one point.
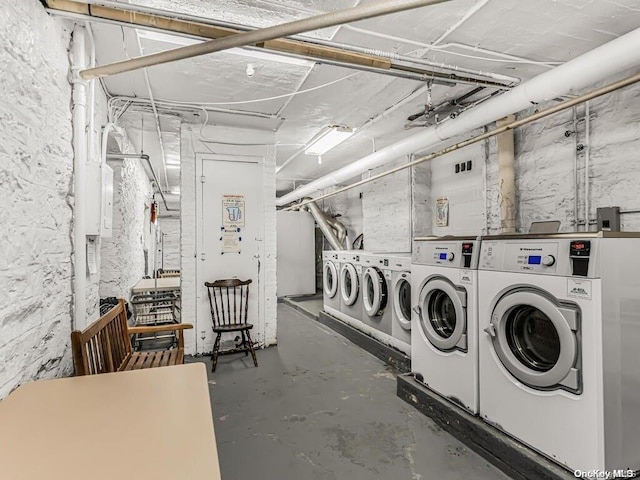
(105, 345)
(229, 302)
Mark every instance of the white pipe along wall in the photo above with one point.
(581, 72)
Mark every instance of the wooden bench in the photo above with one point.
(105, 345)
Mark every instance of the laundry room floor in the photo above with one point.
(319, 407)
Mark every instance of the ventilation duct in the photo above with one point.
(333, 230)
(597, 65)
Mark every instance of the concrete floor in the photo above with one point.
(319, 407)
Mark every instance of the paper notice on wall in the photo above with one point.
(442, 212)
(92, 261)
(232, 211)
(230, 241)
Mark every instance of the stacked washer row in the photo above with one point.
(540, 336)
(371, 292)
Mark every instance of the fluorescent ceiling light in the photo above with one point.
(334, 136)
(254, 53)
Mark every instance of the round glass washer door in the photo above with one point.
(349, 284)
(443, 315)
(330, 279)
(535, 340)
(402, 299)
(374, 291)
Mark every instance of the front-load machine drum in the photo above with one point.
(349, 284)
(330, 279)
(536, 340)
(374, 291)
(402, 300)
(442, 315)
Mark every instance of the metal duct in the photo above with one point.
(334, 231)
(581, 72)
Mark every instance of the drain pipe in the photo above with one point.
(145, 157)
(507, 177)
(78, 62)
(594, 66)
(587, 161)
(327, 225)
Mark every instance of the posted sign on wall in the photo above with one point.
(232, 211)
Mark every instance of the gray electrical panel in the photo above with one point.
(609, 219)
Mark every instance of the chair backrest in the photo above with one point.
(229, 301)
(104, 345)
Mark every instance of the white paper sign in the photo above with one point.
(442, 212)
(230, 242)
(233, 211)
(579, 288)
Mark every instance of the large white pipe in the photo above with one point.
(79, 163)
(594, 66)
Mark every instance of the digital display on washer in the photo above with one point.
(535, 260)
(443, 256)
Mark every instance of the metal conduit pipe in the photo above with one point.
(516, 124)
(333, 230)
(330, 19)
(122, 156)
(609, 59)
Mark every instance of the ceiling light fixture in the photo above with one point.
(329, 139)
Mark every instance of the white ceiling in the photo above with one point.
(512, 37)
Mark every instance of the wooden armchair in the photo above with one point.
(105, 345)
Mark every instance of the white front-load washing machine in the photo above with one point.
(444, 334)
(559, 341)
(350, 285)
(376, 288)
(331, 281)
(400, 268)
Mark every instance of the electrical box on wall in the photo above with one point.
(99, 207)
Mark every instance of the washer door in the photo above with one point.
(442, 312)
(374, 291)
(330, 279)
(402, 299)
(537, 340)
(349, 285)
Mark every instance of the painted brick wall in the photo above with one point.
(36, 192)
(123, 260)
(170, 228)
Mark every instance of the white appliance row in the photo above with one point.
(540, 336)
(371, 292)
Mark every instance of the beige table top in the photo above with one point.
(151, 424)
(157, 284)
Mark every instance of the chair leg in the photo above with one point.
(253, 352)
(214, 354)
(244, 343)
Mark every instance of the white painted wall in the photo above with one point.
(170, 228)
(36, 192)
(296, 253)
(195, 141)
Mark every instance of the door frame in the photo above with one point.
(199, 233)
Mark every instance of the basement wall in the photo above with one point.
(170, 228)
(36, 192)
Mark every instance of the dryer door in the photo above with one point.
(536, 339)
(374, 291)
(349, 284)
(402, 299)
(330, 279)
(442, 312)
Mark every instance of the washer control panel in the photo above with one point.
(456, 254)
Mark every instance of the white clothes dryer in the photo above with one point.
(331, 282)
(400, 268)
(560, 334)
(376, 289)
(444, 334)
(350, 284)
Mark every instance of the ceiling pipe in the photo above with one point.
(594, 66)
(331, 19)
(497, 131)
(145, 157)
